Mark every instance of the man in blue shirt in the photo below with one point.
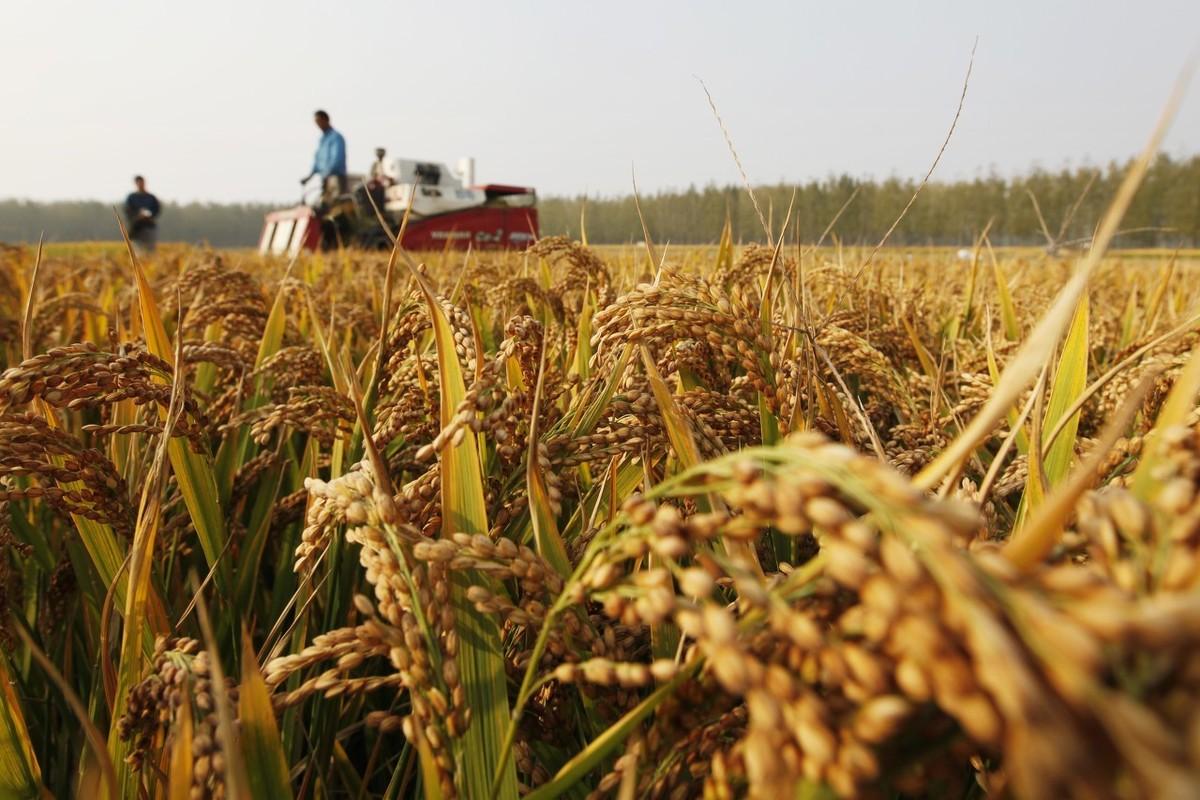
(330, 160)
(141, 214)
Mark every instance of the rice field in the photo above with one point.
(618, 522)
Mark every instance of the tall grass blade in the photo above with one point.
(725, 245)
(20, 775)
(1008, 309)
(587, 415)
(1070, 379)
(678, 430)
(545, 527)
(266, 763)
(1154, 307)
(603, 745)
(481, 659)
(193, 471)
(181, 761)
(1128, 316)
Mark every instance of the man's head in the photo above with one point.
(139, 182)
(322, 120)
(380, 152)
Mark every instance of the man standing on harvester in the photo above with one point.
(329, 162)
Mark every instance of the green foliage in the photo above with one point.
(948, 213)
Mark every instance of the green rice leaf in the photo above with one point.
(603, 745)
(583, 348)
(1070, 379)
(545, 527)
(481, 659)
(239, 447)
(587, 415)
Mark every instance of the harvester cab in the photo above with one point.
(445, 208)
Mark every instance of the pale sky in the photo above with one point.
(213, 100)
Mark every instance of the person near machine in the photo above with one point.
(379, 170)
(141, 214)
(329, 161)
(378, 178)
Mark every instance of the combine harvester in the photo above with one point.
(447, 210)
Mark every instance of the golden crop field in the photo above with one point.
(664, 522)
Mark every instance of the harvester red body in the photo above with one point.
(444, 209)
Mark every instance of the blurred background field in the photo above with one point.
(684, 254)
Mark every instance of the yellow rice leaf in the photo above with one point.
(266, 763)
(678, 430)
(931, 370)
(725, 246)
(1154, 307)
(181, 764)
(193, 471)
(20, 775)
(1127, 318)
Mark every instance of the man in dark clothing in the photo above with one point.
(141, 212)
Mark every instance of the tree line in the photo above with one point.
(216, 224)
(1165, 212)
(1063, 206)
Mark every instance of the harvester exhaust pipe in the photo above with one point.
(466, 168)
